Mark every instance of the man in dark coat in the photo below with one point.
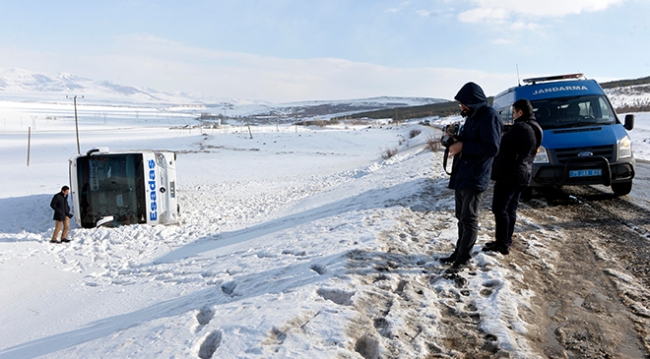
(476, 146)
(62, 215)
(512, 172)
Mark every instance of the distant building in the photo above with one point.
(212, 119)
(383, 121)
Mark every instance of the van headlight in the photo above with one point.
(541, 156)
(625, 147)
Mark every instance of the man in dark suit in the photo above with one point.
(62, 215)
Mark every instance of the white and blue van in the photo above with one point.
(584, 141)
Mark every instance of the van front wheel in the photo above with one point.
(622, 188)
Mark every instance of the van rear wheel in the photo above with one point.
(622, 188)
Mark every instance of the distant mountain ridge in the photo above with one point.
(625, 95)
(23, 85)
(20, 84)
(625, 83)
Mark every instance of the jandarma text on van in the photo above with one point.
(560, 88)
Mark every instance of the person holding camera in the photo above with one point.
(473, 151)
(512, 172)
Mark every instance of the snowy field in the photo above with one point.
(276, 254)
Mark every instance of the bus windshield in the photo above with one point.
(111, 185)
(573, 112)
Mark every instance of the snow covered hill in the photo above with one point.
(630, 98)
(27, 86)
(24, 85)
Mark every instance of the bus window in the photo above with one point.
(111, 185)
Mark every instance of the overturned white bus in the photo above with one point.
(123, 187)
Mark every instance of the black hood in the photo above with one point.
(471, 95)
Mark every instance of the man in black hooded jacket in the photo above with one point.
(62, 215)
(474, 151)
(512, 170)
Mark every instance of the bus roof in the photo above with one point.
(106, 151)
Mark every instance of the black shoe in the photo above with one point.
(490, 244)
(65, 240)
(448, 260)
(54, 241)
(501, 248)
(457, 266)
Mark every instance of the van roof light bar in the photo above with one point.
(553, 78)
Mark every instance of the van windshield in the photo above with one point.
(573, 112)
(111, 185)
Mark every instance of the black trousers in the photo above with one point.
(467, 207)
(504, 206)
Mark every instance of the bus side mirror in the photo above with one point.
(629, 122)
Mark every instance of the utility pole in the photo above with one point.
(76, 122)
(29, 140)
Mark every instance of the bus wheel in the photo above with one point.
(622, 188)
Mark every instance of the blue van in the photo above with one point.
(584, 142)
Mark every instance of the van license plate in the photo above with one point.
(586, 173)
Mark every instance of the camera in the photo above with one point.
(449, 133)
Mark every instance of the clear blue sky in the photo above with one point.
(288, 50)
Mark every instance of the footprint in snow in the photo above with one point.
(318, 269)
(337, 296)
(210, 345)
(204, 316)
(229, 288)
(491, 286)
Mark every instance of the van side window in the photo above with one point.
(506, 115)
(605, 109)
